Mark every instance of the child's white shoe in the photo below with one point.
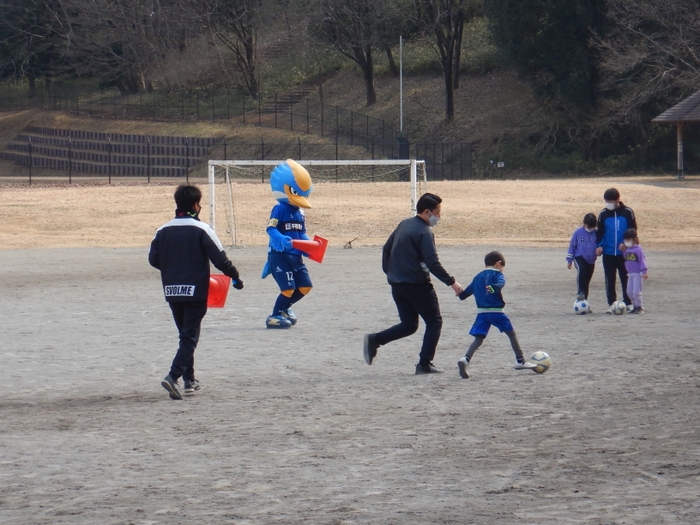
(463, 365)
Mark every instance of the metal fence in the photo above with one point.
(280, 111)
(348, 130)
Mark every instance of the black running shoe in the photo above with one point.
(427, 369)
(191, 386)
(170, 385)
(370, 348)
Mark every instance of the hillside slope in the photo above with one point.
(487, 106)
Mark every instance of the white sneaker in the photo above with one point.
(609, 310)
(463, 365)
(630, 308)
(524, 366)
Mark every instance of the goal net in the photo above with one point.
(353, 201)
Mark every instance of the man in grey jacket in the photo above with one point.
(408, 258)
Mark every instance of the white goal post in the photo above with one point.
(223, 173)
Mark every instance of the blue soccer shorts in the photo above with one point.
(485, 320)
(289, 270)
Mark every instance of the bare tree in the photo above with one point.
(120, 41)
(236, 24)
(444, 20)
(30, 41)
(355, 28)
(652, 50)
(650, 60)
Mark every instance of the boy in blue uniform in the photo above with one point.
(486, 289)
(291, 184)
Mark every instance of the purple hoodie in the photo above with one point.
(583, 244)
(635, 262)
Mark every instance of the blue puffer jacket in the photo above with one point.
(612, 225)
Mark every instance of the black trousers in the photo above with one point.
(585, 274)
(613, 264)
(413, 300)
(188, 319)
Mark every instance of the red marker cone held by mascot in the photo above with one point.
(315, 249)
(218, 290)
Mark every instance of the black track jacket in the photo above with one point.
(409, 255)
(181, 250)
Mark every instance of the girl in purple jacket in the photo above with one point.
(636, 266)
(582, 253)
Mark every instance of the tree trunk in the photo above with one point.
(392, 65)
(457, 49)
(449, 94)
(363, 58)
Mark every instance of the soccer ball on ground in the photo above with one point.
(542, 360)
(582, 307)
(619, 307)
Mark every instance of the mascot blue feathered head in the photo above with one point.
(291, 183)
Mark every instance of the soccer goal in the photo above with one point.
(344, 191)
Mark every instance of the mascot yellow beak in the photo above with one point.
(303, 182)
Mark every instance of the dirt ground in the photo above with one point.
(292, 427)
(510, 212)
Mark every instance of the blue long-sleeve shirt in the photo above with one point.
(486, 288)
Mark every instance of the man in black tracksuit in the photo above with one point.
(614, 220)
(408, 258)
(181, 250)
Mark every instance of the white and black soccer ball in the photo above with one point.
(542, 360)
(619, 307)
(582, 307)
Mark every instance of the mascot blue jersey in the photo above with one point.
(286, 221)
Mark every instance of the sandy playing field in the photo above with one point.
(516, 213)
(292, 427)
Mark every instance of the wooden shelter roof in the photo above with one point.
(687, 110)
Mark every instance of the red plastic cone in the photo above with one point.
(315, 249)
(218, 290)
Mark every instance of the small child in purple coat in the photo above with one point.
(636, 266)
(582, 253)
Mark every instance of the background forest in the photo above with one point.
(566, 86)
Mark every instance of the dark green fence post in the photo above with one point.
(109, 159)
(262, 157)
(30, 160)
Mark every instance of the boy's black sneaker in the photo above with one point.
(427, 369)
(191, 386)
(170, 385)
(370, 350)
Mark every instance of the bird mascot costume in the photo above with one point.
(291, 185)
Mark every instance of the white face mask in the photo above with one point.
(610, 205)
(433, 219)
(629, 244)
